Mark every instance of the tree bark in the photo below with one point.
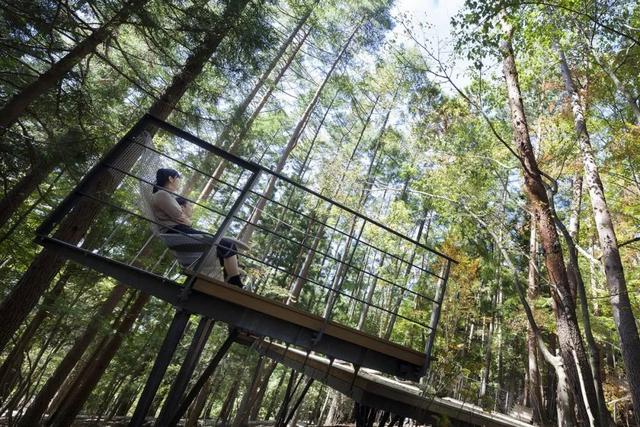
(244, 129)
(621, 305)
(628, 96)
(19, 102)
(242, 414)
(262, 389)
(225, 411)
(570, 235)
(9, 371)
(204, 377)
(571, 344)
(24, 296)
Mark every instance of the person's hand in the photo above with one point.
(187, 209)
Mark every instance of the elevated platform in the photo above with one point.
(258, 314)
(369, 388)
(355, 289)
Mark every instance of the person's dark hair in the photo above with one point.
(162, 177)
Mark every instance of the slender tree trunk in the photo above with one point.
(9, 371)
(262, 389)
(571, 344)
(24, 296)
(204, 377)
(198, 405)
(225, 411)
(488, 350)
(19, 102)
(533, 290)
(242, 414)
(575, 276)
(249, 228)
(244, 129)
(621, 305)
(23, 188)
(73, 356)
(235, 122)
(304, 269)
(74, 402)
(628, 96)
(272, 402)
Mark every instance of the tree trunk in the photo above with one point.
(272, 402)
(225, 411)
(19, 102)
(535, 381)
(24, 296)
(571, 344)
(262, 389)
(628, 96)
(9, 371)
(249, 227)
(242, 414)
(235, 122)
(244, 129)
(77, 398)
(198, 405)
(204, 377)
(575, 277)
(621, 306)
(23, 188)
(73, 356)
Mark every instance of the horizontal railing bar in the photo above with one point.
(292, 240)
(187, 165)
(337, 291)
(344, 233)
(364, 242)
(254, 167)
(342, 262)
(107, 203)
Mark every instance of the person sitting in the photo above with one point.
(173, 214)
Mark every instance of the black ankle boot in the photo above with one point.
(236, 281)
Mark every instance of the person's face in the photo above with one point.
(174, 182)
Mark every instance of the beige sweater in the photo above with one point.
(167, 210)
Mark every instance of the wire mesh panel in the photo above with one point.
(308, 251)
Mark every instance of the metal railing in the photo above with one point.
(308, 250)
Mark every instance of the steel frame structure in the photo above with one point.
(187, 301)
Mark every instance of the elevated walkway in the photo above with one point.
(371, 389)
(327, 278)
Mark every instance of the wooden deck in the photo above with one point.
(304, 319)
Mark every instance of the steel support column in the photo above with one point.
(168, 348)
(189, 363)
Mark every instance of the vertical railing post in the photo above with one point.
(178, 325)
(340, 273)
(435, 315)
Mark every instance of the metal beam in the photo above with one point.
(173, 399)
(168, 348)
(236, 315)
